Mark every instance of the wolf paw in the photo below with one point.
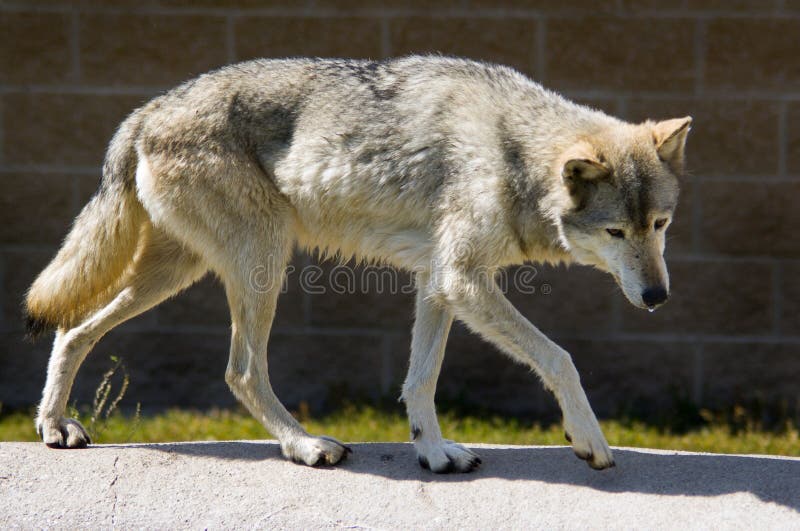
(62, 433)
(446, 457)
(589, 444)
(315, 451)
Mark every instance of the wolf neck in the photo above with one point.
(533, 143)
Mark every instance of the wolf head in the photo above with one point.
(623, 188)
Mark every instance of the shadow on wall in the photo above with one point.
(636, 471)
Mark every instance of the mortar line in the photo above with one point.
(592, 336)
(756, 179)
(698, 373)
(75, 46)
(661, 337)
(230, 38)
(50, 168)
(760, 95)
(541, 50)
(28, 247)
(386, 38)
(76, 193)
(616, 315)
(131, 327)
(94, 90)
(782, 138)
(777, 297)
(2, 131)
(705, 258)
(460, 11)
(4, 319)
(622, 107)
(700, 51)
(307, 303)
(386, 374)
(697, 217)
(763, 96)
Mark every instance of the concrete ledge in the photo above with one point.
(248, 484)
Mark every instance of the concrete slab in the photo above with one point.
(246, 484)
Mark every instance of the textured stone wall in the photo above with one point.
(71, 70)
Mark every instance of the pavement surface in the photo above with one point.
(240, 484)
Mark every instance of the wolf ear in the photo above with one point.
(580, 176)
(670, 139)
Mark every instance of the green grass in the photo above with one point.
(365, 423)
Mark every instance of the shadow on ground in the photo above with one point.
(770, 479)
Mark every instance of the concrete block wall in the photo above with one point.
(71, 70)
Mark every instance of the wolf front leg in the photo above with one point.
(431, 326)
(477, 300)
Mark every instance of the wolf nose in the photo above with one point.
(652, 297)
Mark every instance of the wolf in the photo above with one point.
(446, 167)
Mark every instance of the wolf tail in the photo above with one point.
(90, 265)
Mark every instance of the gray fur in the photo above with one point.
(445, 167)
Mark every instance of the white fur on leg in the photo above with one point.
(69, 350)
(483, 307)
(431, 327)
(248, 369)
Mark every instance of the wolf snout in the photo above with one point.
(654, 296)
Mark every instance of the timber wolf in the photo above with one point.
(442, 166)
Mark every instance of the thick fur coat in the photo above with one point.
(445, 167)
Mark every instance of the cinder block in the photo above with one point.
(149, 50)
(21, 269)
(790, 299)
(324, 370)
(166, 370)
(34, 47)
(750, 218)
(710, 297)
(307, 36)
(507, 41)
(355, 5)
(564, 300)
(65, 129)
(639, 378)
(23, 367)
(350, 297)
(738, 137)
(732, 6)
(743, 373)
(476, 373)
(205, 304)
(753, 54)
(548, 6)
(631, 54)
(793, 139)
(36, 207)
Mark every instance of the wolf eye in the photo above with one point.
(660, 223)
(617, 233)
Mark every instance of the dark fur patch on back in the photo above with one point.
(371, 74)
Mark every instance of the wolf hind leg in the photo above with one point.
(429, 336)
(253, 279)
(160, 269)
